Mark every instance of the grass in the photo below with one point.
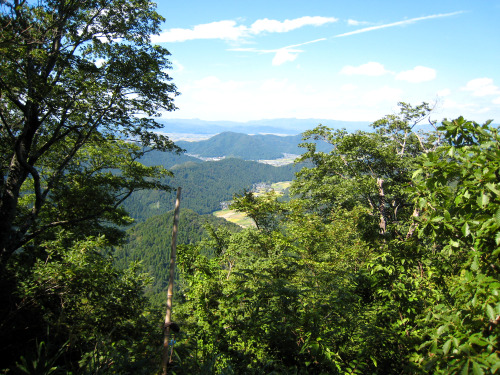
(235, 217)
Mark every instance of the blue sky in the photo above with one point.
(340, 60)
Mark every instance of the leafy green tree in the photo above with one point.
(96, 182)
(265, 211)
(309, 292)
(98, 178)
(279, 298)
(79, 82)
(458, 193)
(91, 316)
(368, 169)
(436, 289)
(73, 74)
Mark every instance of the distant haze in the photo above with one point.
(283, 126)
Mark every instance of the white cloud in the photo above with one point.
(417, 75)
(281, 55)
(177, 66)
(399, 23)
(284, 55)
(229, 30)
(483, 110)
(274, 84)
(274, 26)
(368, 69)
(213, 83)
(450, 104)
(207, 82)
(303, 44)
(226, 30)
(213, 98)
(466, 108)
(481, 87)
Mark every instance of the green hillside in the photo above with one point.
(166, 159)
(150, 242)
(248, 147)
(205, 185)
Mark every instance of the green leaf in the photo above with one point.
(465, 369)
(447, 215)
(422, 202)
(495, 367)
(483, 200)
(478, 341)
(476, 369)
(493, 188)
(442, 329)
(416, 173)
(466, 229)
(446, 347)
(491, 312)
(475, 264)
(451, 151)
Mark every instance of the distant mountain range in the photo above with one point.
(291, 126)
(248, 147)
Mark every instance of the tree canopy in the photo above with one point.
(367, 168)
(319, 288)
(80, 85)
(75, 76)
(385, 260)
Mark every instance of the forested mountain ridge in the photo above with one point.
(166, 159)
(149, 242)
(248, 147)
(205, 185)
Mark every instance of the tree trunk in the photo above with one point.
(414, 223)
(17, 174)
(170, 292)
(381, 206)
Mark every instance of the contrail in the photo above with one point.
(399, 23)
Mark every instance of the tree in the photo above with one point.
(278, 298)
(264, 211)
(457, 189)
(309, 292)
(90, 316)
(371, 169)
(75, 76)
